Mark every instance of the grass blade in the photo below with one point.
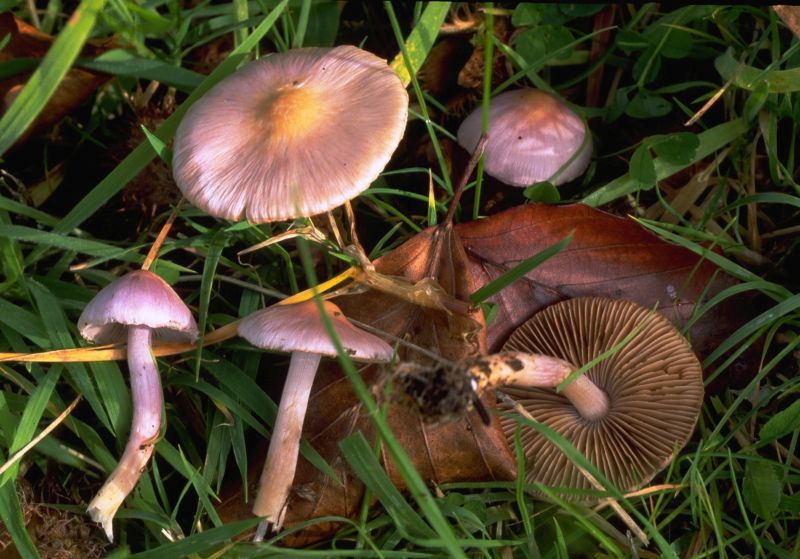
(45, 79)
(11, 514)
(510, 276)
(710, 141)
(361, 458)
(420, 40)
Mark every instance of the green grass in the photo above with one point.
(732, 69)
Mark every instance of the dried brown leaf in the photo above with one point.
(609, 256)
(76, 86)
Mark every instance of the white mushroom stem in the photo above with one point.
(530, 370)
(145, 427)
(284, 447)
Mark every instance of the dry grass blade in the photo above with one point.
(153, 252)
(46, 431)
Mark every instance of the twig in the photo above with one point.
(471, 164)
(153, 253)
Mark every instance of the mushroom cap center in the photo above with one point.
(292, 111)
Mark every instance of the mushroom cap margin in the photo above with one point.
(299, 327)
(531, 135)
(138, 298)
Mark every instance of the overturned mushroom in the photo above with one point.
(299, 330)
(627, 414)
(137, 307)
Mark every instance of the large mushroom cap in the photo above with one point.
(299, 327)
(654, 385)
(138, 298)
(532, 134)
(289, 135)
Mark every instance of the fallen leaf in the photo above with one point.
(26, 44)
(609, 256)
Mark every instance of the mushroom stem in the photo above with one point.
(145, 427)
(279, 468)
(531, 370)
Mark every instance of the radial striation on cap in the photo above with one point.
(654, 385)
(292, 134)
(139, 298)
(532, 134)
(299, 327)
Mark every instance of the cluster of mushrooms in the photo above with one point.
(298, 148)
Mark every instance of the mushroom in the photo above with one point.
(532, 134)
(298, 328)
(292, 134)
(627, 414)
(138, 307)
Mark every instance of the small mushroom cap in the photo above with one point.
(292, 134)
(299, 327)
(654, 385)
(532, 134)
(139, 298)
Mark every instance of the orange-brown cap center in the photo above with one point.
(292, 112)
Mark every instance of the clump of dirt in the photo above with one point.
(57, 534)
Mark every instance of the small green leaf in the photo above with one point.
(526, 14)
(618, 105)
(542, 192)
(557, 37)
(530, 45)
(762, 490)
(648, 105)
(641, 167)
(782, 423)
(678, 148)
(677, 45)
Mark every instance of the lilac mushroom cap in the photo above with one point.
(140, 298)
(292, 134)
(298, 327)
(654, 387)
(532, 134)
